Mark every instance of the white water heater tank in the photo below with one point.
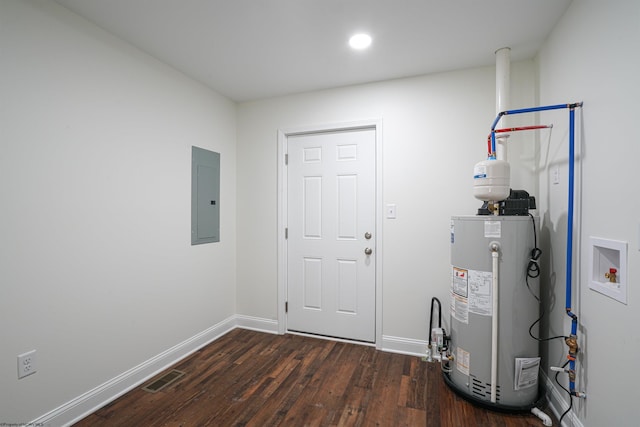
(491, 180)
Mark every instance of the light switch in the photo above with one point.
(556, 175)
(391, 211)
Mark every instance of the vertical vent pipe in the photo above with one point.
(503, 82)
(491, 177)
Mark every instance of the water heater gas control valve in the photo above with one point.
(439, 338)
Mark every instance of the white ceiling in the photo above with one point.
(252, 49)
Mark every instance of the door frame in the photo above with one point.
(283, 136)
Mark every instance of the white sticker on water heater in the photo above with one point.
(480, 292)
(460, 282)
(462, 361)
(526, 375)
(460, 308)
(459, 295)
(493, 229)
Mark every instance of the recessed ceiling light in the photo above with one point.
(360, 41)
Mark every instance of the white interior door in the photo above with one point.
(331, 233)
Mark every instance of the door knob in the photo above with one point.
(368, 251)
(367, 235)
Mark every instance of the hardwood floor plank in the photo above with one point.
(285, 396)
(383, 406)
(354, 407)
(252, 379)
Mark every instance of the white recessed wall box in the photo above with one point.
(608, 270)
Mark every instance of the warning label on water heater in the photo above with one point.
(462, 361)
(471, 293)
(460, 308)
(459, 295)
(526, 374)
(493, 229)
(460, 282)
(480, 296)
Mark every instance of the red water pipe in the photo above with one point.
(516, 129)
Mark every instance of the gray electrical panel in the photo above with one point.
(205, 196)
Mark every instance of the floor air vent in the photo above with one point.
(163, 381)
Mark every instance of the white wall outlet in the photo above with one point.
(26, 364)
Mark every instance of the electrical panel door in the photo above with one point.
(205, 196)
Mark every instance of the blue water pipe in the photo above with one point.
(572, 340)
(574, 319)
(525, 110)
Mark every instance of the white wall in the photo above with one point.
(434, 131)
(592, 56)
(96, 268)
(95, 190)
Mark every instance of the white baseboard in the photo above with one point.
(257, 324)
(401, 345)
(92, 400)
(557, 402)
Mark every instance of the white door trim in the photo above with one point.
(283, 134)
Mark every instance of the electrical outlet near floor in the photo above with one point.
(26, 364)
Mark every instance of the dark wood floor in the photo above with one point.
(249, 378)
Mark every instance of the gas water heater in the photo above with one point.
(495, 361)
